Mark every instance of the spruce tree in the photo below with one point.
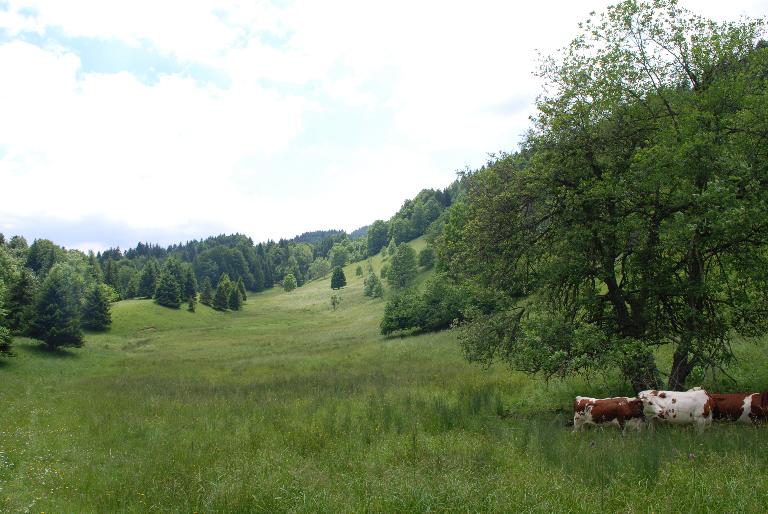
(189, 282)
(191, 302)
(168, 290)
(221, 298)
(96, 313)
(338, 280)
(372, 286)
(56, 314)
(241, 289)
(110, 273)
(235, 299)
(148, 279)
(378, 289)
(206, 295)
(20, 300)
(95, 267)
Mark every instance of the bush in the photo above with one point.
(6, 340)
(402, 312)
(427, 257)
(289, 283)
(442, 302)
(436, 308)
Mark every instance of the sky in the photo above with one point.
(165, 121)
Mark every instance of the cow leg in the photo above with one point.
(578, 423)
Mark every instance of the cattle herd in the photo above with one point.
(695, 406)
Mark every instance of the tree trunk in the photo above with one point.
(681, 368)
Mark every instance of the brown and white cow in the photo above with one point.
(742, 407)
(620, 411)
(694, 406)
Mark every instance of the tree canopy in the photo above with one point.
(635, 214)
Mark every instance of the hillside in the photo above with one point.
(290, 406)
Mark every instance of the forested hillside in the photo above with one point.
(77, 287)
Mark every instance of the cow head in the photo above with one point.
(651, 408)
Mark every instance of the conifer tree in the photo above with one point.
(378, 289)
(148, 279)
(359, 271)
(56, 317)
(338, 280)
(191, 302)
(189, 282)
(110, 273)
(20, 301)
(95, 267)
(372, 286)
(96, 313)
(206, 295)
(221, 298)
(241, 289)
(168, 290)
(235, 299)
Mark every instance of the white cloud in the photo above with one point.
(108, 144)
(439, 78)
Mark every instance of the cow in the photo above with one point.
(694, 406)
(741, 407)
(619, 411)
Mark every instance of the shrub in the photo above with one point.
(402, 312)
(427, 257)
(289, 283)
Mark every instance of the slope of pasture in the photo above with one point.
(291, 406)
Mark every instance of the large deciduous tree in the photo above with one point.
(378, 236)
(636, 215)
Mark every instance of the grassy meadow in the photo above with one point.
(288, 405)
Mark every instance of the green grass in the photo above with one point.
(290, 406)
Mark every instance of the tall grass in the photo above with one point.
(291, 406)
